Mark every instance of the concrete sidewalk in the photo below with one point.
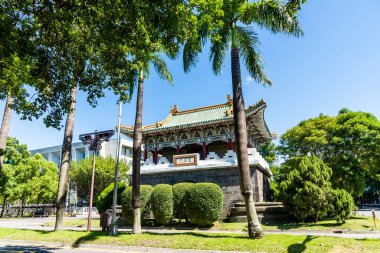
(38, 224)
(46, 247)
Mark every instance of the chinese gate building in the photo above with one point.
(198, 145)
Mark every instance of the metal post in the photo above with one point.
(95, 141)
(92, 184)
(118, 149)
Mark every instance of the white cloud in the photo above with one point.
(248, 80)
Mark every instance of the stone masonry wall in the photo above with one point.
(226, 178)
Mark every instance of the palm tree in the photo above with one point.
(236, 36)
(162, 70)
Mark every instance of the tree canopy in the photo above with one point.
(32, 180)
(80, 175)
(15, 152)
(349, 143)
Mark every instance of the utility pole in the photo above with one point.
(114, 202)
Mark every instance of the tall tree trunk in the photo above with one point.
(254, 227)
(19, 209)
(3, 206)
(4, 131)
(137, 140)
(23, 204)
(65, 162)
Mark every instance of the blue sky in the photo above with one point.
(336, 64)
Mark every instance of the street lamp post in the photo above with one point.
(95, 141)
(118, 149)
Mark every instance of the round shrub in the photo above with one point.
(342, 203)
(305, 187)
(105, 199)
(204, 203)
(127, 205)
(162, 203)
(179, 193)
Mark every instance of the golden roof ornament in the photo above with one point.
(229, 99)
(174, 109)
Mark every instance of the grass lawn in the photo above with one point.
(355, 223)
(76, 222)
(198, 240)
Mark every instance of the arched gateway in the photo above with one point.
(198, 145)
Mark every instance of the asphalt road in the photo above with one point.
(367, 211)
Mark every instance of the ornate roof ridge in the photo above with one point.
(157, 124)
(228, 113)
(204, 108)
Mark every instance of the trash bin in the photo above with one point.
(105, 220)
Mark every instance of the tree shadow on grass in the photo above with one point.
(300, 247)
(92, 236)
(297, 225)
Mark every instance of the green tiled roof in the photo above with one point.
(194, 117)
(198, 116)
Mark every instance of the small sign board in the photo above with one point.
(185, 160)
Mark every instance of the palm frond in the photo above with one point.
(192, 49)
(161, 68)
(294, 5)
(219, 49)
(132, 84)
(272, 15)
(247, 42)
(146, 69)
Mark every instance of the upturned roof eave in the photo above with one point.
(251, 110)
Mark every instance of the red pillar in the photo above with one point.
(177, 149)
(204, 151)
(229, 144)
(145, 155)
(155, 158)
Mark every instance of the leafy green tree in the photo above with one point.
(269, 152)
(152, 29)
(9, 189)
(306, 188)
(14, 64)
(65, 59)
(348, 143)
(80, 175)
(15, 152)
(35, 181)
(235, 35)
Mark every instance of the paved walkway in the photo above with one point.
(38, 224)
(44, 247)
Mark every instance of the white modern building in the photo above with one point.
(81, 151)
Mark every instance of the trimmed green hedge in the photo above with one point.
(127, 206)
(179, 193)
(162, 203)
(204, 202)
(105, 198)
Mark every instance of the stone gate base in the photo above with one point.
(226, 177)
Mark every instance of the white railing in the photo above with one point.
(212, 161)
